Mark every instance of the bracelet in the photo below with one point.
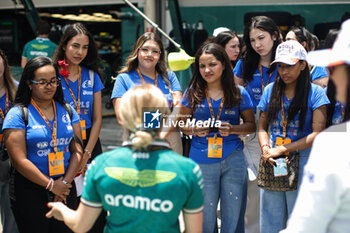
(48, 184)
(262, 147)
(88, 152)
(51, 185)
(64, 182)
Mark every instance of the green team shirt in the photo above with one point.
(143, 191)
(40, 46)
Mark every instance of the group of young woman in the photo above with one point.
(52, 130)
(267, 94)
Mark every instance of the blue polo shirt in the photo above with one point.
(39, 141)
(126, 81)
(199, 145)
(87, 92)
(254, 87)
(316, 99)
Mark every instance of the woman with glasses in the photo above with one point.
(293, 112)
(41, 148)
(143, 185)
(146, 64)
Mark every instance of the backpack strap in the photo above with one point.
(68, 109)
(24, 113)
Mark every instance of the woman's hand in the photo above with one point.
(55, 210)
(225, 129)
(61, 189)
(201, 131)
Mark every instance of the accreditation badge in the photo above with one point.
(56, 163)
(283, 141)
(83, 129)
(215, 147)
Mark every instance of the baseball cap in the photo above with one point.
(218, 30)
(290, 52)
(339, 54)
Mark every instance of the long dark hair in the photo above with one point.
(24, 93)
(91, 60)
(347, 109)
(9, 82)
(299, 102)
(331, 89)
(223, 38)
(303, 35)
(251, 58)
(197, 85)
(132, 61)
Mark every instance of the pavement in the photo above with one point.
(111, 132)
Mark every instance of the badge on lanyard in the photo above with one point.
(215, 147)
(83, 129)
(283, 141)
(215, 143)
(56, 163)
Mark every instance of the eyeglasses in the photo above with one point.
(154, 52)
(53, 82)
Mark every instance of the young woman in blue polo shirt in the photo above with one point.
(77, 58)
(212, 94)
(295, 111)
(254, 71)
(147, 64)
(42, 151)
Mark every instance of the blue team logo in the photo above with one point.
(151, 119)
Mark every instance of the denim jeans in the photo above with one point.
(276, 207)
(226, 180)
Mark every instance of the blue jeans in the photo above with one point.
(276, 207)
(226, 180)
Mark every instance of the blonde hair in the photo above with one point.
(133, 103)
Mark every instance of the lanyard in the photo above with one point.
(77, 104)
(262, 79)
(143, 81)
(6, 106)
(342, 111)
(211, 107)
(54, 130)
(284, 120)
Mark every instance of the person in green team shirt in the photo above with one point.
(40, 46)
(143, 185)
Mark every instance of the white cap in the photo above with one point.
(290, 52)
(218, 30)
(339, 54)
